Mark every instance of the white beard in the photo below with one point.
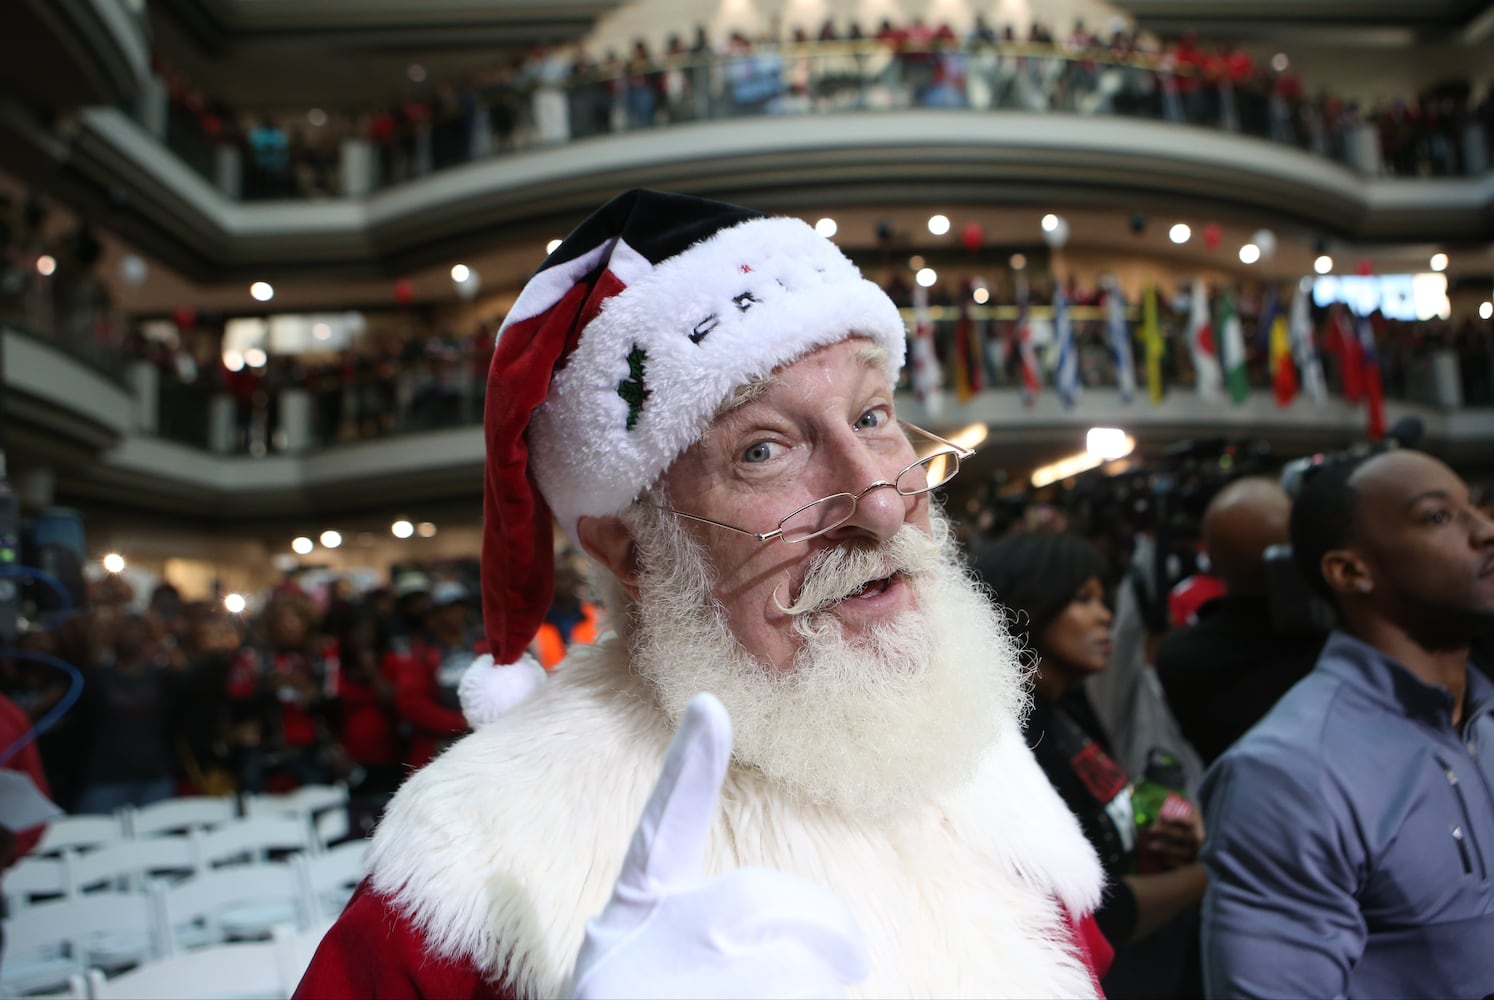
(868, 724)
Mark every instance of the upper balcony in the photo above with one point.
(832, 125)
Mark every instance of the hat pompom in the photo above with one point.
(488, 692)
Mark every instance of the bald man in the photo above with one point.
(1224, 672)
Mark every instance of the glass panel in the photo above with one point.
(822, 515)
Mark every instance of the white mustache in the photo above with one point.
(839, 572)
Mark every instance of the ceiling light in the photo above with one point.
(425, 529)
(826, 228)
(1180, 233)
(1323, 264)
(402, 529)
(256, 358)
(234, 604)
(302, 545)
(938, 224)
(114, 562)
(926, 277)
(331, 539)
(46, 264)
(981, 296)
(1485, 310)
(1250, 253)
(262, 291)
(1108, 443)
(1439, 262)
(460, 273)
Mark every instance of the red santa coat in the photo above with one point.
(490, 861)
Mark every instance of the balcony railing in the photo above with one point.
(557, 103)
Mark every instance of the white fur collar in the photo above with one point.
(504, 847)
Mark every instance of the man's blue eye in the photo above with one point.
(760, 452)
(871, 418)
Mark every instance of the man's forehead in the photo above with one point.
(865, 359)
(1398, 477)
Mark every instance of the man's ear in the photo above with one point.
(609, 542)
(1346, 572)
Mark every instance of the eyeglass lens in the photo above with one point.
(822, 515)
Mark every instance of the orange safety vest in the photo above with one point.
(548, 646)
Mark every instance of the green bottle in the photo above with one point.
(1164, 778)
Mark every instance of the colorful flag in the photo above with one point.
(1343, 344)
(1120, 342)
(1066, 378)
(927, 379)
(1305, 351)
(1283, 368)
(1374, 395)
(1151, 335)
(1233, 338)
(1207, 374)
(1032, 379)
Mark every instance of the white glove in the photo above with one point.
(748, 933)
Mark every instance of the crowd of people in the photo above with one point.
(557, 95)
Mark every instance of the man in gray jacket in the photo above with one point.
(1351, 831)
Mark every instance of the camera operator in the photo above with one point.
(1224, 671)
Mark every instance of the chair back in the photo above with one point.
(78, 833)
(240, 901)
(237, 969)
(128, 865)
(329, 878)
(32, 880)
(191, 812)
(249, 840)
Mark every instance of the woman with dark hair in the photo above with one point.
(1052, 586)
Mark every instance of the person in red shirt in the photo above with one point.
(426, 677)
(14, 727)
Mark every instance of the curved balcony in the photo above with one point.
(373, 440)
(1070, 135)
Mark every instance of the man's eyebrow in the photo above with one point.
(1426, 495)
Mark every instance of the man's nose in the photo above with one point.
(880, 509)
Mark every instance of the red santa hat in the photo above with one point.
(614, 360)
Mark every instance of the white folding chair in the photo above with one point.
(242, 902)
(128, 865)
(193, 812)
(32, 880)
(48, 942)
(324, 809)
(300, 949)
(328, 879)
(250, 840)
(237, 970)
(78, 832)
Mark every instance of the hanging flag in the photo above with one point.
(1305, 351)
(1374, 395)
(1151, 336)
(1207, 374)
(1283, 368)
(1232, 336)
(1270, 307)
(974, 340)
(928, 387)
(1120, 341)
(1343, 343)
(1032, 379)
(965, 375)
(1066, 378)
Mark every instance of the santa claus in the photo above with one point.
(703, 398)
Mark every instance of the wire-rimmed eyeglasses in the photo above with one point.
(828, 513)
